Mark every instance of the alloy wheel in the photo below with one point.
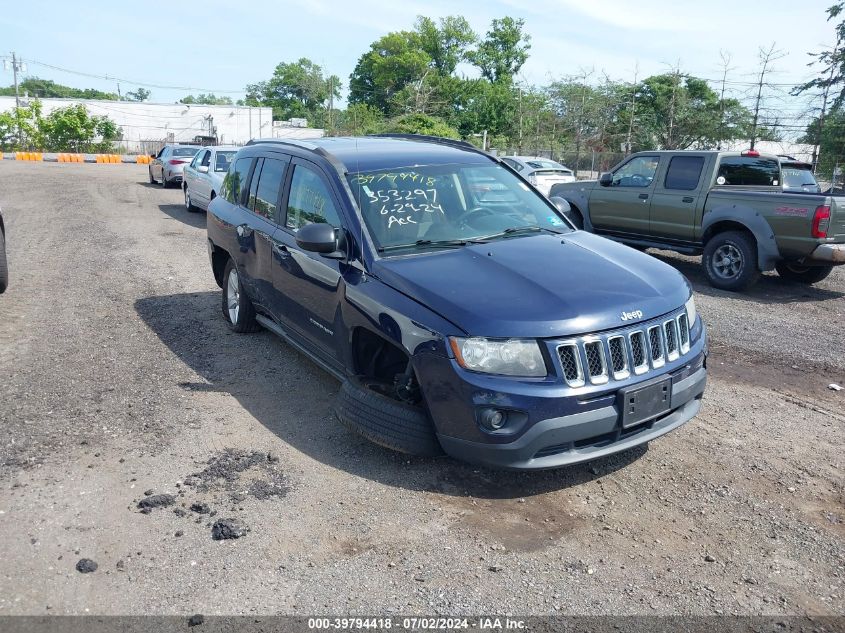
(233, 296)
(727, 261)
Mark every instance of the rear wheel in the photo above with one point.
(237, 307)
(730, 261)
(163, 179)
(4, 265)
(150, 171)
(802, 274)
(190, 206)
(364, 406)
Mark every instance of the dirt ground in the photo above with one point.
(118, 378)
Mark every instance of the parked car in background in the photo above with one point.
(167, 166)
(728, 207)
(460, 309)
(543, 173)
(4, 264)
(203, 176)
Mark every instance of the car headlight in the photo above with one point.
(691, 313)
(514, 357)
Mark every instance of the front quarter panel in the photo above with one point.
(577, 194)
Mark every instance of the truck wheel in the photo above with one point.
(237, 307)
(802, 274)
(4, 265)
(576, 218)
(730, 261)
(364, 408)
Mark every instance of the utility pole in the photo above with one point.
(676, 78)
(633, 110)
(520, 119)
(331, 104)
(17, 66)
(726, 60)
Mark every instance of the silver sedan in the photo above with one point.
(166, 166)
(204, 175)
(540, 172)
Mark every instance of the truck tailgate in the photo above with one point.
(837, 218)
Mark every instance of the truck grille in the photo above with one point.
(596, 359)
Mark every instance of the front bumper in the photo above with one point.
(829, 253)
(582, 436)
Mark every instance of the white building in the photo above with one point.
(146, 126)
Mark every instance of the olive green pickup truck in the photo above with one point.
(729, 207)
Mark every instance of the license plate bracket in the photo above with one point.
(642, 403)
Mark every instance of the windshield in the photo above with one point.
(223, 160)
(799, 177)
(413, 207)
(185, 151)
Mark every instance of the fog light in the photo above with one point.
(493, 419)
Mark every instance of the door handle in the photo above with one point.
(244, 230)
(687, 199)
(643, 196)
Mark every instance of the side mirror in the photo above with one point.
(203, 169)
(606, 179)
(561, 205)
(317, 238)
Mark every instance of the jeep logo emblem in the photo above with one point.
(629, 316)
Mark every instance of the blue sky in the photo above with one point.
(223, 45)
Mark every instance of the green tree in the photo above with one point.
(503, 51)
(141, 94)
(445, 44)
(297, 89)
(358, 119)
(393, 61)
(20, 128)
(206, 99)
(418, 123)
(64, 129)
(830, 139)
(45, 88)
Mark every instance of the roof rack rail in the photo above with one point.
(430, 139)
(284, 141)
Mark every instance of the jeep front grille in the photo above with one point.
(597, 359)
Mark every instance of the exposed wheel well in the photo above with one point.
(219, 257)
(376, 357)
(726, 225)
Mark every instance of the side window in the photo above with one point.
(206, 158)
(310, 200)
(235, 182)
(512, 163)
(684, 172)
(637, 172)
(253, 185)
(195, 161)
(748, 170)
(269, 185)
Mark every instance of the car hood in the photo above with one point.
(538, 286)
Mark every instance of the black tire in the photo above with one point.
(385, 421)
(244, 321)
(150, 171)
(164, 183)
(730, 261)
(4, 265)
(802, 274)
(190, 206)
(576, 218)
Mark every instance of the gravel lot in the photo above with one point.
(118, 378)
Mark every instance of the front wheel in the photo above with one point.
(364, 406)
(802, 274)
(237, 307)
(730, 261)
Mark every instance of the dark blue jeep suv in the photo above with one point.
(458, 306)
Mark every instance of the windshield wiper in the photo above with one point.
(516, 230)
(432, 244)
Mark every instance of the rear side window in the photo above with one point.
(309, 201)
(749, 171)
(684, 172)
(184, 151)
(235, 182)
(266, 195)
